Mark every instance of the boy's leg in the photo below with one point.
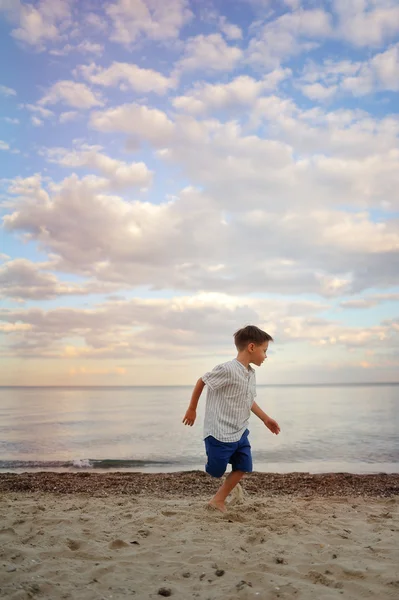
(232, 479)
(241, 463)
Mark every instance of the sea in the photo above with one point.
(324, 429)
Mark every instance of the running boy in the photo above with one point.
(230, 399)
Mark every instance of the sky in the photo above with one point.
(172, 171)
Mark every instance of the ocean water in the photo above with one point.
(348, 428)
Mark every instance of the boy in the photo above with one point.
(230, 399)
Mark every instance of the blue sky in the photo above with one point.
(170, 172)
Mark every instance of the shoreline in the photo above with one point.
(198, 483)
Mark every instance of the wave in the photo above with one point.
(84, 463)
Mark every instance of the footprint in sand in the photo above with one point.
(73, 545)
(117, 544)
(7, 531)
(317, 577)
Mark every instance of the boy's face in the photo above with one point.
(258, 353)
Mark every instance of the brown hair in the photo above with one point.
(250, 335)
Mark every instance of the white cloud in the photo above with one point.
(68, 116)
(12, 327)
(342, 133)
(120, 175)
(368, 22)
(77, 95)
(22, 279)
(209, 53)
(187, 244)
(230, 30)
(139, 121)
(7, 91)
(39, 23)
(85, 47)
(189, 326)
(288, 35)
(378, 73)
(4, 146)
(294, 4)
(241, 91)
(36, 122)
(133, 20)
(98, 23)
(317, 91)
(136, 78)
(369, 301)
(44, 113)
(12, 121)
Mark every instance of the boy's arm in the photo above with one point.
(191, 413)
(268, 421)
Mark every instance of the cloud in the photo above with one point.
(78, 371)
(7, 91)
(159, 21)
(36, 122)
(317, 91)
(138, 79)
(378, 73)
(68, 116)
(367, 23)
(44, 113)
(120, 175)
(209, 53)
(139, 121)
(187, 244)
(369, 301)
(11, 121)
(38, 23)
(339, 133)
(77, 95)
(96, 22)
(4, 146)
(11, 327)
(288, 35)
(241, 91)
(22, 279)
(230, 30)
(85, 47)
(182, 326)
(132, 329)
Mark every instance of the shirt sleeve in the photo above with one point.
(216, 378)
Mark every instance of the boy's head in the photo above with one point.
(254, 342)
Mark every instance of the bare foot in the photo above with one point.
(217, 505)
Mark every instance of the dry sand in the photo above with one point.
(150, 536)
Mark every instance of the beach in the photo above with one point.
(124, 535)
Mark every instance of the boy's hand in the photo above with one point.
(190, 417)
(272, 425)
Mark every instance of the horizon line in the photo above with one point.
(376, 383)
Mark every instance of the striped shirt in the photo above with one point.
(231, 391)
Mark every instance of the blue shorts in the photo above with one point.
(220, 454)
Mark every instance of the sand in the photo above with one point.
(151, 536)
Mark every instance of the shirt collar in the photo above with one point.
(250, 369)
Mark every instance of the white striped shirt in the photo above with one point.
(231, 391)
